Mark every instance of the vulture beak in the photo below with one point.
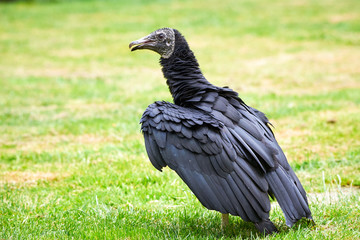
(147, 42)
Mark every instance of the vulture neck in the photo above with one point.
(183, 74)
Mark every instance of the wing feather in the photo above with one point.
(226, 153)
(248, 211)
(203, 154)
(154, 153)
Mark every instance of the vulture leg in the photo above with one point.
(224, 220)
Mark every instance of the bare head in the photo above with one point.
(161, 41)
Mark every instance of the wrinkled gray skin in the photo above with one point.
(161, 41)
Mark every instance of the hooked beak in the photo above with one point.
(143, 43)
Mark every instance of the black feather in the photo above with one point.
(223, 149)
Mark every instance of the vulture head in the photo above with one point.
(161, 41)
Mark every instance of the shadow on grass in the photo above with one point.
(202, 228)
(193, 228)
(199, 225)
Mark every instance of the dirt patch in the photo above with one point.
(343, 18)
(16, 177)
(61, 140)
(42, 143)
(297, 73)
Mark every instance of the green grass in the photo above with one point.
(72, 159)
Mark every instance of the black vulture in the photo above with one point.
(223, 149)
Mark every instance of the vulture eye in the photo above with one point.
(161, 36)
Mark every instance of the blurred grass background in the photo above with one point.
(72, 158)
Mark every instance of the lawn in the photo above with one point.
(72, 159)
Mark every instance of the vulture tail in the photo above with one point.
(289, 194)
(266, 226)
